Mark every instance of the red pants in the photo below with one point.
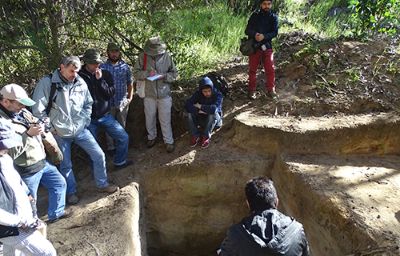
(267, 58)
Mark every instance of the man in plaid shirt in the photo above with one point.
(123, 83)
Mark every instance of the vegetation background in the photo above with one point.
(35, 34)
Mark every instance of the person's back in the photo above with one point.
(266, 231)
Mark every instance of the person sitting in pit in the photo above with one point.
(204, 109)
(266, 231)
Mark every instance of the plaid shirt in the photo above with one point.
(122, 76)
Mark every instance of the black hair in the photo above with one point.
(261, 194)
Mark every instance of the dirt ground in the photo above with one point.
(314, 78)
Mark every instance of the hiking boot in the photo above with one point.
(109, 189)
(122, 166)
(252, 95)
(170, 148)
(151, 143)
(194, 141)
(67, 213)
(72, 199)
(273, 95)
(205, 142)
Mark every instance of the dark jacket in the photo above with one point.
(210, 105)
(101, 90)
(265, 23)
(266, 233)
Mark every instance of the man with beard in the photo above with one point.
(262, 26)
(123, 84)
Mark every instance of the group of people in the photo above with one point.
(72, 103)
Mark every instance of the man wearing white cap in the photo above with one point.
(30, 156)
(18, 225)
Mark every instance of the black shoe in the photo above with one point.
(122, 166)
(110, 152)
(67, 213)
(151, 143)
(72, 199)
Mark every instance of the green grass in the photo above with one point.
(201, 37)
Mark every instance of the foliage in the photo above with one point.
(376, 16)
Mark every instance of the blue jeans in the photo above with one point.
(87, 142)
(117, 132)
(50, 178)
(206, 122)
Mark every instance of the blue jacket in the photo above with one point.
(210, 105)
(265, 23)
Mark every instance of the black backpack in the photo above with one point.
(219, 82)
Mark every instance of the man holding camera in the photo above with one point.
(30, 157)
(262, 26)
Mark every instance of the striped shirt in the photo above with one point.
(122, 76)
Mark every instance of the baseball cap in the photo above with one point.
(16, 92)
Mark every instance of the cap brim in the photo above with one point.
(27, 102)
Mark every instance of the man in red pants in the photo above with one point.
(262, 26)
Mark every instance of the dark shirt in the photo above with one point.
(265, 23)
(101, 90)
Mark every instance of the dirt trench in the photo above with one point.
(339, 176)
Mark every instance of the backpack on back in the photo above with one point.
(219, 82)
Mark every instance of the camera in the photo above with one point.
(45, 123)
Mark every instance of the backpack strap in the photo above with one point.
(52, 97)
(144, 61)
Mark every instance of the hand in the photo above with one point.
(259, 37)
(202, 112)
(98, 73)
(152, 72)
(197, 105)
(35, 129)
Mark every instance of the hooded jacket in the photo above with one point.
(102, 90)
(71, 109)
(265, 23)
(210, 105)
(266, 233)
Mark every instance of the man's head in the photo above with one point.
(206, 86)
(113, 52)
(69, 67)
(261, 194)
(92, 59)
(14, 98)
(8, 138)
(265, 5)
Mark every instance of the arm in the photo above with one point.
(129, 87)
(87, 105)
(251, 26)
(172, 72)
(9, 219)
(41, 95)
(189, 105)
(106, 85)
(306, 248)
(138, 71)
(228, 245)
(274, 33)
(213, 108)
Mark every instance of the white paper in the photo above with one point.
(153, 78)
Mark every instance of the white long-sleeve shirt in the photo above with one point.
(24, 209)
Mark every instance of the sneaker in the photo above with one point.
(252, 95)
(122, 166)
(194, 141)
(67, 213)
(205, 142)
(72, 199)
(170, 148)
(151, 143)
(109, 189)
